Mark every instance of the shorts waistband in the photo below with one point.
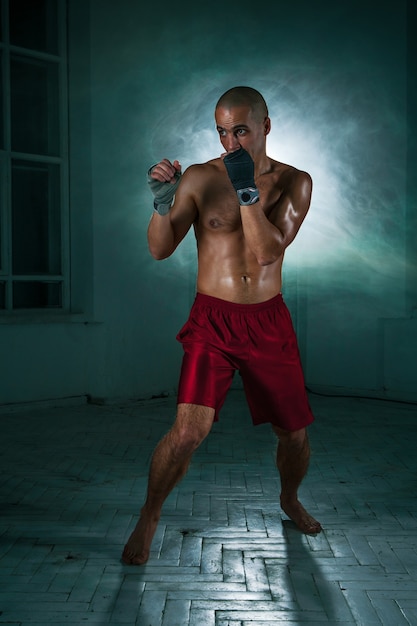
(225, 305)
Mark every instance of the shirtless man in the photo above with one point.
(246, 208)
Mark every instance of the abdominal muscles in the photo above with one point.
(228, 270)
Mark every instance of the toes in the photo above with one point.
(127, 558)
(310, 526)
(130, 557)
(139, 560)
(304, 522)
(312, 529)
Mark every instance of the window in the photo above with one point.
(34, 260)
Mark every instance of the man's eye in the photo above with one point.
(241, 131)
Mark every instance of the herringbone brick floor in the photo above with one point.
(73, 480)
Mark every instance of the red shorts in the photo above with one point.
(259, 341)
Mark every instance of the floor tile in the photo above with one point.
(72, 481)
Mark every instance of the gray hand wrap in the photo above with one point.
(163, 192)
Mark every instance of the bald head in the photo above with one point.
(245, 96)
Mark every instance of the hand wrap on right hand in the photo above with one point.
(162, 192)
(241, 170)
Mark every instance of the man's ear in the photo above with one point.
(267, 126)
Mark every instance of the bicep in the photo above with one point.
(183, 212)
(292, 207)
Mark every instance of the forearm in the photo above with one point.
(268, 235)
(263, 238)
(163, 180)
(161, 236)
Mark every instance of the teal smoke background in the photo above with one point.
(336, 99)
(339, 82)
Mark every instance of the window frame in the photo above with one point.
(7, 156)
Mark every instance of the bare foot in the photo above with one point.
(136, 551)
(303, 520)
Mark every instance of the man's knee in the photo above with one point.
(192, 425)
(296, 438)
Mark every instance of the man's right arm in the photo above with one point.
(168, 226)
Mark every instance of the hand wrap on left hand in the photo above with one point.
(163, 192)
(241, 171)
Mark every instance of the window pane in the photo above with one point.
(36, 222)
(2, 295)
(33, 24)
(34, 106)
(1, 103)
(37, 295)
(2, 212)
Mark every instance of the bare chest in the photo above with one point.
(220, 212)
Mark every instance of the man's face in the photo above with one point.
(237, 128)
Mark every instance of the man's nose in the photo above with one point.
(231, 143)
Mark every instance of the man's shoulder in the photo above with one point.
(205, 168)
(198, 177)
(289, 175)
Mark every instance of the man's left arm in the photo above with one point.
(268, 237)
